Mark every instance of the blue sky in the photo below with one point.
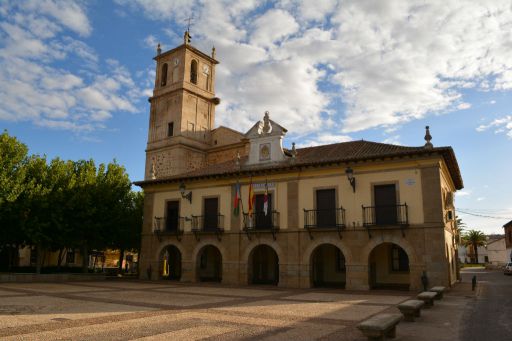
(75, 77)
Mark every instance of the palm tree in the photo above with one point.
(475, 239)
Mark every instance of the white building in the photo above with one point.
(497, 252)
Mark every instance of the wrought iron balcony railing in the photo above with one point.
(386, 215)
(169, 226)
(208, 223)
(260, 222)
(324, 218)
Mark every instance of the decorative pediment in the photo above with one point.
(265, 138)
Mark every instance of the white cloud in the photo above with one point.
(70, 14)
(463, 106)
(151, 42)
(500, 125)
(463, 193)
(33, 39)
(272, 26)
(390, 62)
(395, 139)
(322, 139)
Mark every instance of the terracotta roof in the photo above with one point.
(508, 224)
(352, 151)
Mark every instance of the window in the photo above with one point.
(326, 207)
(399, 259)
(193, 72)
(340, 261)
(211, 214)
(164, 75)
(70, 256)
(172, 216)
(385, 204)
(170, 129)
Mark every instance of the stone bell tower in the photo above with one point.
(182, 112)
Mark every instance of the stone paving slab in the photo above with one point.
(163, 298)
(325, 310)
(27, 310)
(238, 292)
(347, 298)
(44, 287)
(189, 334)
(125, 285)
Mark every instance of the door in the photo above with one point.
(211, 214)
(263, 222)
(172, 218)
(265, 266)
(385, 204)
(326, 207)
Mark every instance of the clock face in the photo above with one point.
(176, 61)
(206, 69)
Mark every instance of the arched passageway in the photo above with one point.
(263, 265)
(388, 266)
(327, 267)
(209, 264)
(171, 263)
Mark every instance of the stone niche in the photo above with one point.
(266, 142)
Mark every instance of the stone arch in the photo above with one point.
(208, 264)
(170, 261)
(389, 267)
(263, 265)
(327, 266)
(272, 244)
(306, 257)
(213, 242)
(400, 241)
(163, 75)
(193, 71)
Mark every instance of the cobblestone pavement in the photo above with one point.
(133, 310)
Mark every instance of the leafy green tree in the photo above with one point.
(13, 158)
(474, 239)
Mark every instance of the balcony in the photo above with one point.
(324, 220)
(259, 222)
(386, 215)
(207, 224)
(169, 227)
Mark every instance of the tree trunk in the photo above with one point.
(476, 252)
(85, 258)
(39, 259)
(60, 257)
(120, 265)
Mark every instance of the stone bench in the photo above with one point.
(411, 309)
(379, 326)
(428, 298)
(439, 291)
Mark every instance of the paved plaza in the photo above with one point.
(133, 310)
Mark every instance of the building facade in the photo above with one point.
(355, 215)
(508, 240)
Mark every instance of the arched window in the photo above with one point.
(193, 72)
(164, 75)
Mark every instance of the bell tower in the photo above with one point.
(182, 110)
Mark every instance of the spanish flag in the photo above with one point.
(251, 199)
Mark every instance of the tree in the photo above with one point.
(13, 158)
(474, 239)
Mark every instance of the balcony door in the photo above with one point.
(263, 221)
(211, 214)
(172, 216)
(385, 204)
(326, 207)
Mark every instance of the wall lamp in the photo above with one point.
(350, 176)
(187, 196)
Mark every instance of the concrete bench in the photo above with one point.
(411, 309)
(428, 298)
(439, 291)
(379, 326)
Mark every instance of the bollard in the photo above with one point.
(473, 283)
(424, 281)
